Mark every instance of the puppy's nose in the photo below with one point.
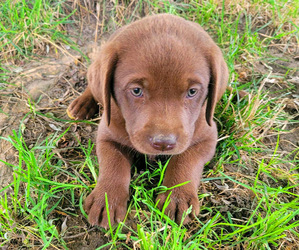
(163, 142)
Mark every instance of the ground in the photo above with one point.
(35, 105)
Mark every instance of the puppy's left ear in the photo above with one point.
(218, 82)
(109, 61)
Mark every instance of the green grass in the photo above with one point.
(31, 204)
(32, 27)
(250, 190)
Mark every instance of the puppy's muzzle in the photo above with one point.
(163, 142)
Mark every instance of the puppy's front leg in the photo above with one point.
(187, 166)
(114, 179)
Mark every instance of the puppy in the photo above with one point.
(158, 80)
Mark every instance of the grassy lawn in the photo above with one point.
(249, 193)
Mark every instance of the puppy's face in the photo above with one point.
(160, 97)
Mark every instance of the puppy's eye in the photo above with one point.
(192, 92)
(137, 92)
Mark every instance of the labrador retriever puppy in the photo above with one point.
(158, 80)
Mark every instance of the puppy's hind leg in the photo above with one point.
(83, 107)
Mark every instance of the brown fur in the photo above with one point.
(164, 56)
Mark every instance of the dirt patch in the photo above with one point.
(281, 83)
(32, 82)
(284, 83)
(50, 84)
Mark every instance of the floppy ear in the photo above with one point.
(109, 61)
(218, 83)
(100, 77)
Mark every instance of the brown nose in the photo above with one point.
(163, 142)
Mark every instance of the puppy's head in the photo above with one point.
(160, 83)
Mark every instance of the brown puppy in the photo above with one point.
(159, 80)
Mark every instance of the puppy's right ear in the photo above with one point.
(109, 60)
(100, 77)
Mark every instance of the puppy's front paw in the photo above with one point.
(180, 200)
(95, 206)
(83, 107)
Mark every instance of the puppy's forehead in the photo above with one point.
(173, 64)
(165, 49)
(167, 55)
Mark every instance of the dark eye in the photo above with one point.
(137, 92)
(192, 92)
